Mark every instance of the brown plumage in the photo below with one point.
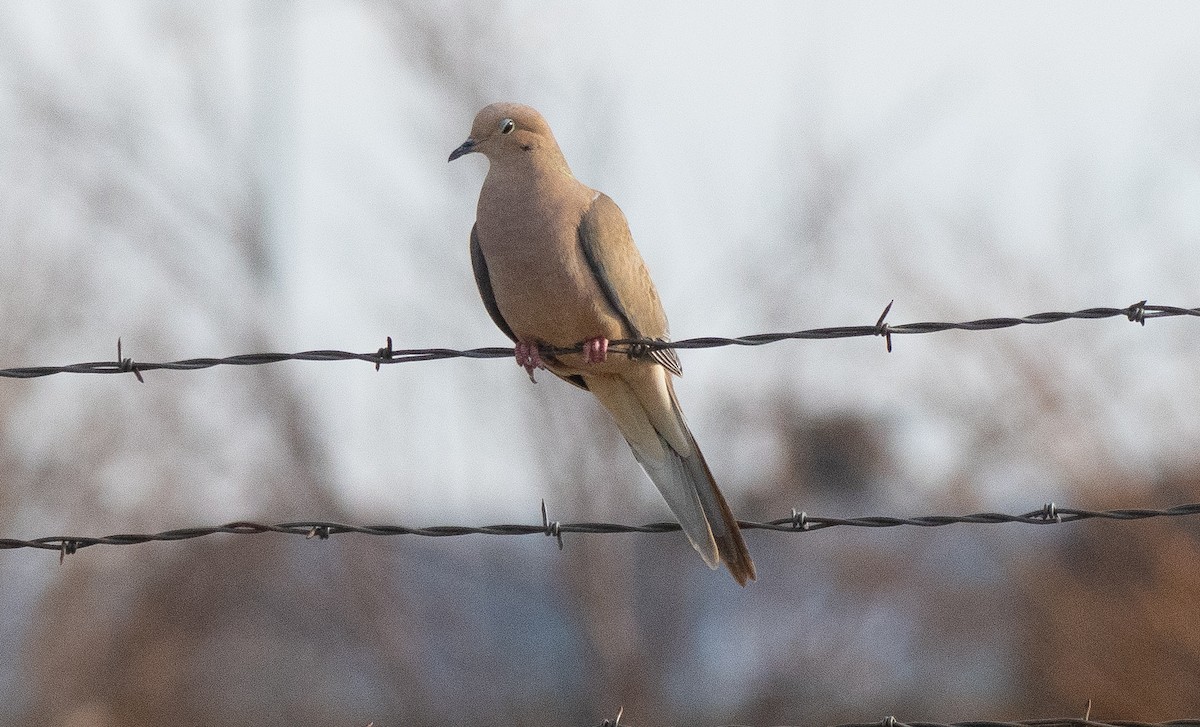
(556, 266)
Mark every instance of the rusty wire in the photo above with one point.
(1137, 313)
(797, 522)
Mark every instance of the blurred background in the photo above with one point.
(232, 177)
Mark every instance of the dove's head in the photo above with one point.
(507, 130)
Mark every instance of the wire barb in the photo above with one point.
(552, 529)
(882, 329)
(1137, 312)
(384, 354)
(126, 365)
(65, 548)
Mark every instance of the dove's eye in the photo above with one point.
(507, 125)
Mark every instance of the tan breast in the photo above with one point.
(527, 227)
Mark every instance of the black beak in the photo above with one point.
(467, 147)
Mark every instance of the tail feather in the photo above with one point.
(724, 526)
(670, 474)
(648, 415)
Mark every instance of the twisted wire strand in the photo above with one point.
(1137, 313)
(797, 522)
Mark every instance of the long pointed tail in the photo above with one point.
(648, 415)
(723, 525)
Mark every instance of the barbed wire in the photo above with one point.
(1138, 313)
(798, 522)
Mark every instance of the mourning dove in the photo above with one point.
(556, 267)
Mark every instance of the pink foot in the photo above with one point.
(595, 350)
(528, 358)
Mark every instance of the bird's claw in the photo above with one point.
(528, 358)
(595, 350)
